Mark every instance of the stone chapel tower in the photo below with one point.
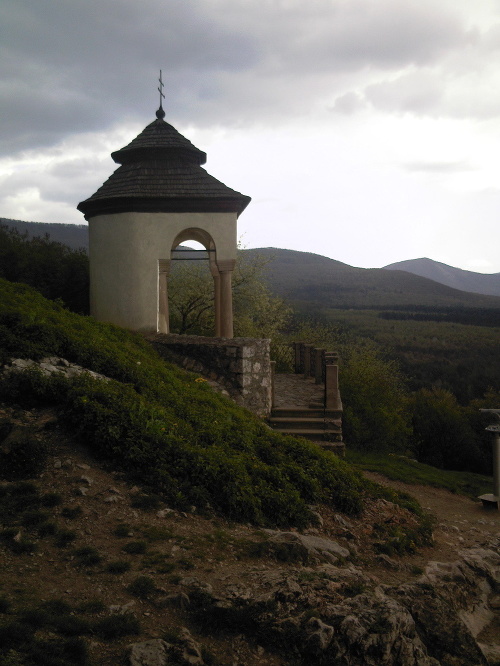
(159, 197)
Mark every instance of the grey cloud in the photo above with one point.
(385, 34)
(438, 167)
(409, 93)
(75, 66)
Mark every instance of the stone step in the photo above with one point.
(314, 435)
(305, 424)
(297, 423)
(297, 412)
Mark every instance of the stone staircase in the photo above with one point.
(299, 411)
(312, 423)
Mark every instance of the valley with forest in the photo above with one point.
(143, 515)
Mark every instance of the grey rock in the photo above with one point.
(319, 635)
(306, 547)
(191, 652)
(149, 653)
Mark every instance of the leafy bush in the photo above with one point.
(52, 268)
(116, 626)
(442, 434)
(87, 556)
(118, 567)
(25, 459)
(135, 547)
(142, 586)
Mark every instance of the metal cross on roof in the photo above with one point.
(160, 114)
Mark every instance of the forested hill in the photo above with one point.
(312, 282)
(75, 236)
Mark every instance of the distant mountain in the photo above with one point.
(76, 236)
(477, 283)
(314, 282)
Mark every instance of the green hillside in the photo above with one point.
(169, 431)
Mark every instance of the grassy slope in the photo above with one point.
(189, 444)
(400, 468)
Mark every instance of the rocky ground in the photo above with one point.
(221, 593)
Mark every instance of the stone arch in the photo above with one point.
(221, 270)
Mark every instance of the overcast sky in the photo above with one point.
(364, 130)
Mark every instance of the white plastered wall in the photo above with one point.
(124, 250)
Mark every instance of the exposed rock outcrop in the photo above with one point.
(338, 615)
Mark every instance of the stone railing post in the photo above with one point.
(273, 372)
(296, 354)
(318, 365)
(307, 360)
(332, 393)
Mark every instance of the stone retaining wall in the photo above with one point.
(241, 365)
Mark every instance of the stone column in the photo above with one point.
(217, 305)
(163, 317)
(332, 393)
(226, 297)
(307, 360)
(318, 365)
(297, 346)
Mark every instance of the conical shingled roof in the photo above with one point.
(160, 172)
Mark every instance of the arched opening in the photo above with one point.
(194, 288)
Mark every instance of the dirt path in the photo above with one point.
(460, 522)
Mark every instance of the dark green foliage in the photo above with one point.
(116, 626)
(24, 459)
(92, 607)
(64, 538)
(394, 540)
(33, 518)
(51, 499)
(146, 502)
(52, 268)
(402, 468)
(4, 605)
(135, 547)
(118, 567)
(190, 445)
(87, 556)
(122, 531)
(142, 586)
(47, 529)
(442, 434)
(71, 512)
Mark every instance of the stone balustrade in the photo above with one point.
(322, 365)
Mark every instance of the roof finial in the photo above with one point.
(160, 114)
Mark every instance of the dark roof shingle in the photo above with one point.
(161, 172)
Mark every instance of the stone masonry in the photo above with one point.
(241, 365)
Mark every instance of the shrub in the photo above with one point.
(64, 538)
(51, 499)
(47, 528)
(135, 547)
(142, 586)
(25, 459)
(92, 607)
(118, 566)
(71, 512)
(146, 502)
(116, 626)
(122, 531)
(88, 556)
